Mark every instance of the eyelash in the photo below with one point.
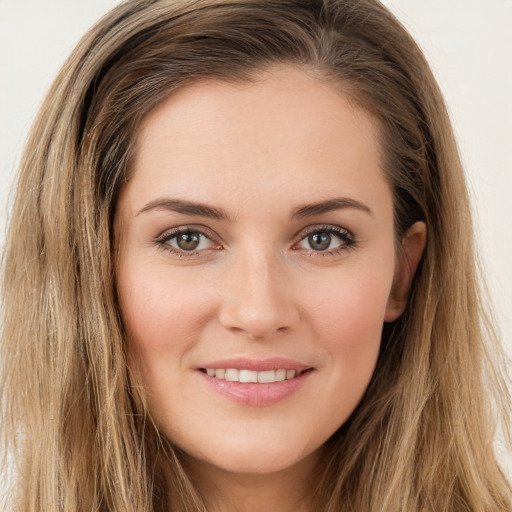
(163, 240)
(347, 239)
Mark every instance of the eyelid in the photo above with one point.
(183, 228)
(331, 228)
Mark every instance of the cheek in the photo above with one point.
(351, 305)
(161, 312)
(346, 316)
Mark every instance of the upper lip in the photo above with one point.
(257, 365)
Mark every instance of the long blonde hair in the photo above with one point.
(74, 420)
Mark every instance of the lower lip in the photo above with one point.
(258, 395)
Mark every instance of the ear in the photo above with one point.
(413, 244)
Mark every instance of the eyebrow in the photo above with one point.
(330, 205)
(203, 210)
(185, 207)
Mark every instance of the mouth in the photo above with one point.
(255, 381)
(252, 376)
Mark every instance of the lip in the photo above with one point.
(252, 394)
(257, 365)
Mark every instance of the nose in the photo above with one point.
(256, 301)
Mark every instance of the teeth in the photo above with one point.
(266, 377)
(232, 375)
(248, 376)
(281, 375)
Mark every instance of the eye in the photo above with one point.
(327, 239)
(189, 241)
(186, 240)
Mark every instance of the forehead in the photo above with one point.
(286, 130)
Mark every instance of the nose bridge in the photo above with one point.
(256, 300)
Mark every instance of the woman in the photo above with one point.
(240, 273)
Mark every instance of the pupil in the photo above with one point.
(188, 241)
(319, 241)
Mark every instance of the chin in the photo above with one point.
(256, 465)
(256, 459)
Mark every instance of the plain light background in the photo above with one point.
(467, 42)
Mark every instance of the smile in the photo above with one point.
(251, 376)
(255, 381)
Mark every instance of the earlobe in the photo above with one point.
(413, 244)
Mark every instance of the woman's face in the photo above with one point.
(256, 267)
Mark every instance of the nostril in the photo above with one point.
(237, 330)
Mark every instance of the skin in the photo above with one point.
(255, 286)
